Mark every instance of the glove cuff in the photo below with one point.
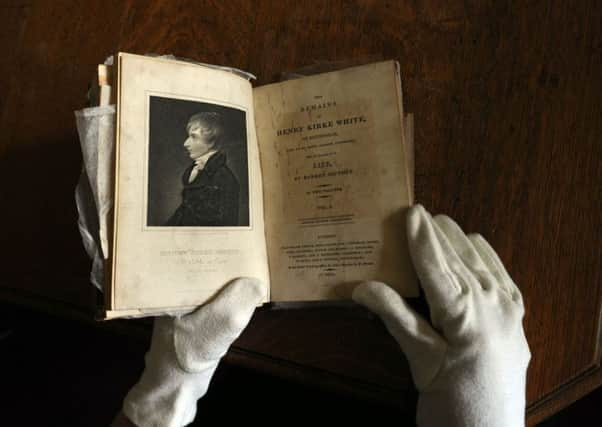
(475, 397)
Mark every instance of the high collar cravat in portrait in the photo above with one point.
(199, 164)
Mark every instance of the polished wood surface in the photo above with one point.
(506, 98)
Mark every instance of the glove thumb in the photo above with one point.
(202, 337)
(422, 345)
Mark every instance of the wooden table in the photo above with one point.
(508, 142)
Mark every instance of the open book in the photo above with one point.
(302, 184)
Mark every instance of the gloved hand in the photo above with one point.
(470, 364)
(184, 354)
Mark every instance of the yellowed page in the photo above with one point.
(180, 235)
(335, 182)
(408, 123)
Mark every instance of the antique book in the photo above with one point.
(302, 184)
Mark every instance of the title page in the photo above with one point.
(336, 182)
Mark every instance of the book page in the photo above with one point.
(336, 182)
(188, 197)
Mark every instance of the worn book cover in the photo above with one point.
(302, 184)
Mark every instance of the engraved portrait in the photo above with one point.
(197, 165)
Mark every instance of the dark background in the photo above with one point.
(506, 99)
(168, 159)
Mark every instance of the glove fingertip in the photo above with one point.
(415, 216)
(379, 298)
(248, 290)
(368, 293)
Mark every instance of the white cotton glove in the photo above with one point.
(470, 365)
(184, 354)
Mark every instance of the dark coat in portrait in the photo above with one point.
(211, 199)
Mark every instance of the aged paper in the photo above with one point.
(408, 123)
(336, 182)
(187, 219)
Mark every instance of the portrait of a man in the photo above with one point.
(210, 189)
(198, 169)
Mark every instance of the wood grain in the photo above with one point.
(508, 143)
